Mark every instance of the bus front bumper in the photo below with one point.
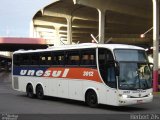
(131, 101)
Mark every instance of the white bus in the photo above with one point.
(111, 74)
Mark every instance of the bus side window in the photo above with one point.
(16, 61)
(45, 58)
(58, 58)
(25, 59)
(35, 59)
(54, 60)
(73, 58)
(107, 67)
(88, 57)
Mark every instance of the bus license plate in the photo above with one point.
(139, 101)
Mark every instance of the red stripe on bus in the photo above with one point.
(75, 73)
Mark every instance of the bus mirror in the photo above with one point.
(117, 68)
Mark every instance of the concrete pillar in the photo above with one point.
(37, 34)
(101, 25)
(32, 31)
(57, 37)
(69, 30)
(155, 43)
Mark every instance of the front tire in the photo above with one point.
(39, 92)
(91, 98)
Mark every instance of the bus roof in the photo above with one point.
(82, 46)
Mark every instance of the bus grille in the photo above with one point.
(16, 85)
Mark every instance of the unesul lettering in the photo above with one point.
(47, 73)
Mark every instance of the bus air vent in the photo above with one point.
(16, 85)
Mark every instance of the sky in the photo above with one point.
(16, 15)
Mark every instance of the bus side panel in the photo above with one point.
(22, 83)
(70, 88)
(49, 86)
(55, 87)
(99, 88)
(75, 89)
(105, 94)
(112, 97)
(62, 88)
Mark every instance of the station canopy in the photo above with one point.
(125, 20)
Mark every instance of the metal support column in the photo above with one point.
(101, 25)
(155, 43)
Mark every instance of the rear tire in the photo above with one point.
(29, 91)
(91, 98)
(39, 92)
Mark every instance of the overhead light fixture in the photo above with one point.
(143, 35)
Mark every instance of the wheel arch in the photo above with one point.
(91, 89)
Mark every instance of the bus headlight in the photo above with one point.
(124, 96)
(150, 94)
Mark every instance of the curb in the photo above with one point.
(156, 93)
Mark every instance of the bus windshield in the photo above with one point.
(134, 69)
(130, 55)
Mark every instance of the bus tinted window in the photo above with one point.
(34, 58)
(73, 58)
(16, 58)
(58, 58)
(45, 58)
(88, 57)
(105, 56)
(25, 59)
(107, 67)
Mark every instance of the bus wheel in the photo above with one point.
(29, 91)
(91, 98)
(39, 92)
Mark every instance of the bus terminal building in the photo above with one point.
(73, 21)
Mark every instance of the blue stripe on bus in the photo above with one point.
(17, 70)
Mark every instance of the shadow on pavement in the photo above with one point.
(101, 107)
